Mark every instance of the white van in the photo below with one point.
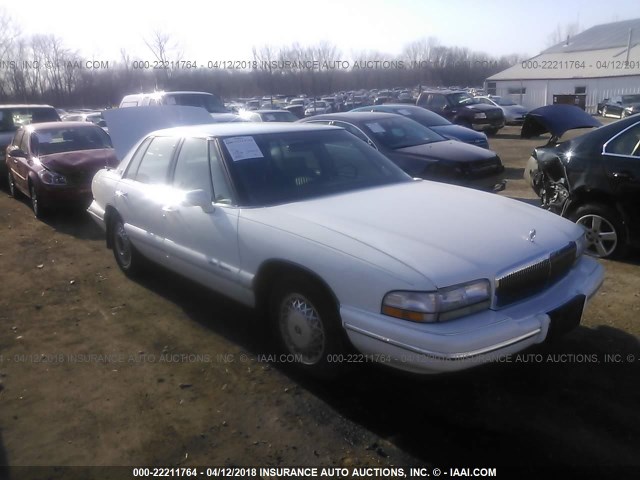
(212, 103)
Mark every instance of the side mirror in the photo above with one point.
(102, 123)
(199, 198)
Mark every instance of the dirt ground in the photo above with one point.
(97, 369)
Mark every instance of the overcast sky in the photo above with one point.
(227, 30)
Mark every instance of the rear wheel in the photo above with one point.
(307, 327)
(126, 255)
(606, 234)
(492, 131)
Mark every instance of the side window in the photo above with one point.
(627, 143)
(353, 130)
(192, 167)
(154, 166)
(24, 142)
(221, 187)
(17, 139)
(437, 101)
(132, 168)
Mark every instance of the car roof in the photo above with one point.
(45, 125)
(354, 116)
(25, 105)
(238, 129)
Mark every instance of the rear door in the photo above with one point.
(142, 193)
(621, 161)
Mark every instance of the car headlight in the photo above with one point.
(480, 116)
(52, 178)
(444, 304)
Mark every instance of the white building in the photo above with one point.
(599, 63)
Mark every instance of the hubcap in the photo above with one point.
(122, 245)
(302, 329)
(602, 238)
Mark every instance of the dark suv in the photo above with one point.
(462, 109)
(12, 117)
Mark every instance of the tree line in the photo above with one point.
(42, 69)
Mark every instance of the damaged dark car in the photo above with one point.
(592, 179)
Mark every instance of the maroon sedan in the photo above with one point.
(54, 163)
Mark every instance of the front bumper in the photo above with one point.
(471, 341)
(65, 196)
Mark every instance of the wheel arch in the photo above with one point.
(109, 214)
(274, 268)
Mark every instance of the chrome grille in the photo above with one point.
(532, 279)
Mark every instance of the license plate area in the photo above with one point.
(567, 317)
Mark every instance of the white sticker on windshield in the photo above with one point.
(375, 127)
(404, 111)
(241, 148)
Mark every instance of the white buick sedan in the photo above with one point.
(340, 249)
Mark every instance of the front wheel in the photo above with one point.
(307, 327)
(12, 185)
(126, 255)
(492, 131)
(36, 202)
(606, 234)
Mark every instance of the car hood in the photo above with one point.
(480, 107)
(457, 132)
(449, 150)
(128, 125)
(556, 119)
(446, 234)
(80, 162)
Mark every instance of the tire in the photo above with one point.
(39, 209)
(305, 322)
(127, 257)
(606, 233)
(11, 185)
(492, 131)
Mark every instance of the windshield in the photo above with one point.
(503, 102)
(318, 105)
(631, 99)
(462, 99)
(279, 168)
(284, 116)
(70, 139)
(13, 118)
(210, 102)
(399, 132)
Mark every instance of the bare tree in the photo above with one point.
(166, 51)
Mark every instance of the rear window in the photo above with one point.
(11, 119)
